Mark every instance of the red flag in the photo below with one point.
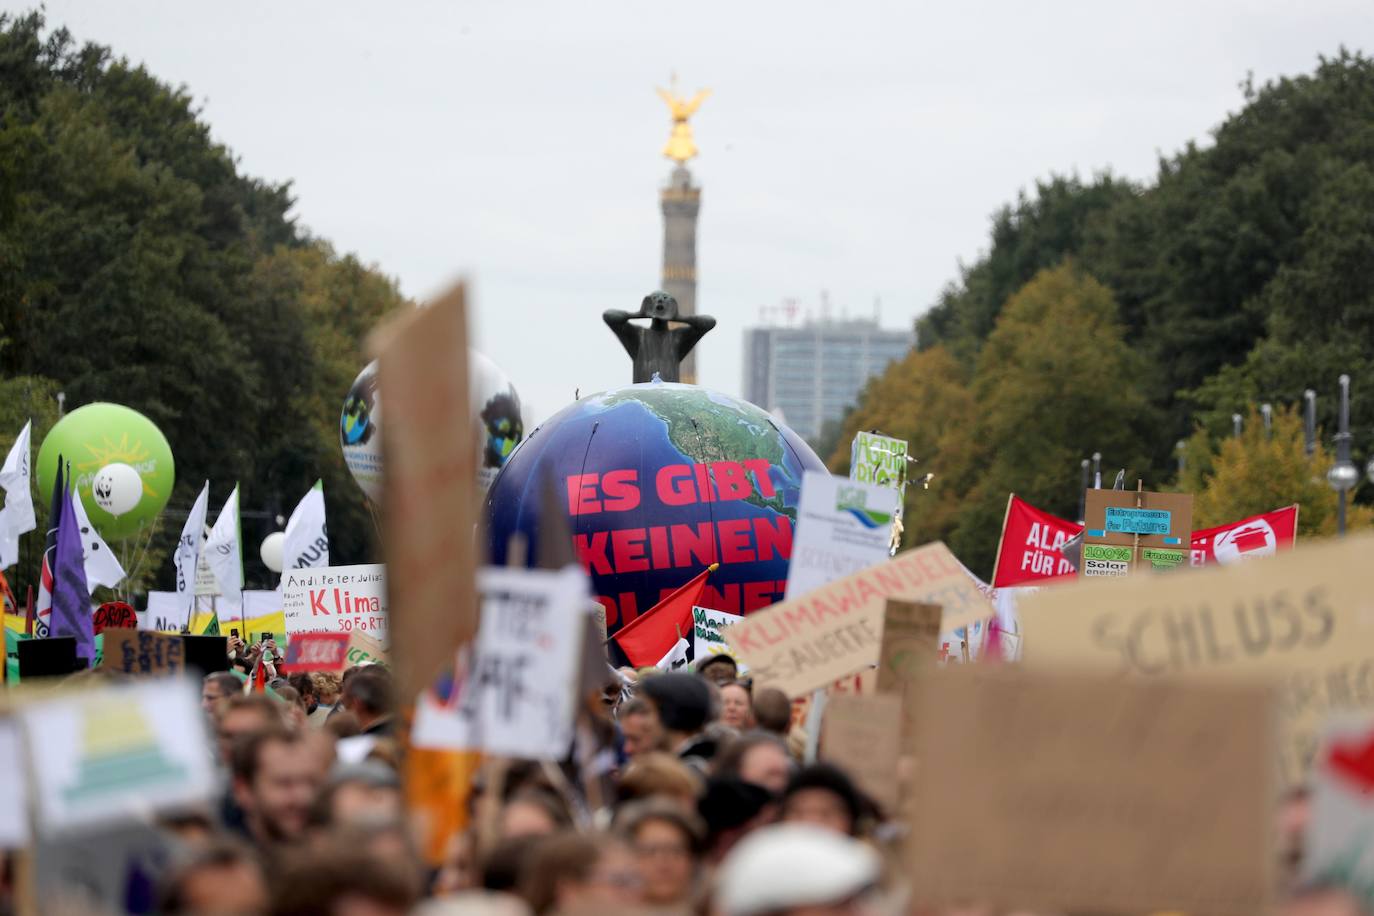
(1256, 536)
(1030, 546)
(649, 637)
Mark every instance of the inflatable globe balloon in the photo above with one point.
(96, 435)
(360, 432)
(272, 548)
(659, 481)
(117, 488)
(495, 405)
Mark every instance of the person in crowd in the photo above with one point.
(303, 682)
(327, 689)
(823, 795)
(359, 796)
(222, 876)
(668, 844)
(731, 808)
(217, 690)
(368, 696)
(533, 811)
(276, 776)
(757, 757)
(719, 669)
(576, 872)
(683, 702)
(660, 775)
(343, 880)
(798, 870)
(772, 711)
(458, 871)
(243, 716)
(342, 725)
(737, 706)
(501, 866)
(293, 708)
(642, 730)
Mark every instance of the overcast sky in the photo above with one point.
(856, 148)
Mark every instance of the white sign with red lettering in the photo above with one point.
(335, 599)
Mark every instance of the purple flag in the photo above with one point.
(71, 599)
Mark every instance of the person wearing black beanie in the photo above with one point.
(683, 702)
(824, 795)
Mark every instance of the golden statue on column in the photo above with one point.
(680, 146)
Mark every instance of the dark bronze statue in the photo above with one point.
(659, 348)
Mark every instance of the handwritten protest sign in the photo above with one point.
(165, 613)
(429, 487)
(114, 614)
(335, 599)
(708, 638)
(843, 526)
(836, 630)
(364, 650)
(518, 694)
(1092, 794)
(878, 459)
(143, 652)
(862, 734)
(117, 752)
(318, 652)
(1305, 617)
(911, 635)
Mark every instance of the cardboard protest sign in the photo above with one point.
(516, 695)
(142, 652)
(862, 734)
(1029, 550)
(1337, 848)
(1126, 528)
(836, 630)
(911, 633)
(318, 652)
(364, 650)
(878, 460)
(429, 487)
(335, 599)
(1305, 617)
(117, 752)
(708, 638)
(1092, 794)
(842, 527)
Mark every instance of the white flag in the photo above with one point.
(307, 540)
(102, 567)
(224, 553)
(17, 517)
(676, 657)
(188, 552)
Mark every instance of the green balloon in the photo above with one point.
(98, 434)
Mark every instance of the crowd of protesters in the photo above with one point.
(694, 799)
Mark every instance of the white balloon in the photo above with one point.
(117, 488)
(272, 549)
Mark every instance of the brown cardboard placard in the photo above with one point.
(911, 636)
(861, 733)
(364, 650)
(429, 488)
(836, 630)
(143, 651)
(1092, 794)
(1305, 617)
(1178, 506)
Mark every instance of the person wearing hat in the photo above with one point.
(794, 869)
(731, 808)
(824, 796)
(683, 702)
(719, 669)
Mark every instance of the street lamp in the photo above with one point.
(1180, 447)
(1083, 491)
(1268, 411)
(1236, 421)
(1309, 425)
(1097, 470)
(1343, 474)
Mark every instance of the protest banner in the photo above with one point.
(1337, 849)
(143, 652)
(1092, 794)
(836, 630)
(842, 527)
(516, 695)
(1302, 617)
(335, 599)
(707, 635)
(318, 652)
(116, 753)
(1029, 550)
(114, 614)
(878, 460)
(861, 733)
(1250, 538)
(429, 487)
(1125, 528)
(165, 613)
(364, 650)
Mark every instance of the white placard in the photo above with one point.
(335, 599)
(706, 639)
(843, 526)
(14, 807)
(517, 695)
(164, 613)
(1338, 848)
(117, 753)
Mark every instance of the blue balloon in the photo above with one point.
(660, 480)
